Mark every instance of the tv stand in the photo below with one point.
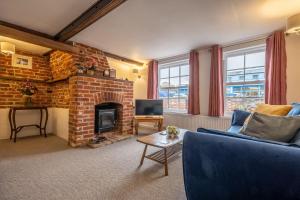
(146, 118)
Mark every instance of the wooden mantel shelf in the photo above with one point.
(13, 78)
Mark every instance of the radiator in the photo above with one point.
(191, 122)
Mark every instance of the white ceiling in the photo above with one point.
(146, 29)
(47, 16)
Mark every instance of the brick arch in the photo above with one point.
(102, 97)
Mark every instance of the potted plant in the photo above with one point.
(27, 89)
(172, 131)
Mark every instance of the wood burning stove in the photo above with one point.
(105, 117)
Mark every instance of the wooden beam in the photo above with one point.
(36, 39)
(120, 58)
(95, 12)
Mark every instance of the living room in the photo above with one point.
(132, 99)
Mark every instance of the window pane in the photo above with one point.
(249, 104)
(255, 74)
(173, 103)
(173, 93)
(174, 82)
(164, 73)
(183, 91)
(255, 59)
(234, 91)
(235, 62)
(163, 93)
(174, 71)
(184, 80)
(182, 104)
(165, 103)
(164, 82)
(185, 70)
(255, 90)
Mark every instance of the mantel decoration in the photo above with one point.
(27, 89)
(91, 70)
(172, 131)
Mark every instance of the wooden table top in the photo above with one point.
(162, 140)
(148, 117)
(27, 107)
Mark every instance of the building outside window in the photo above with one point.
(173, 85)
(244, 82)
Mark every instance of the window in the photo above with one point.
(173, 86)
(244, 78)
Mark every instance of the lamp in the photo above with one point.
(293, 24)
(7, 48)
(136, 71)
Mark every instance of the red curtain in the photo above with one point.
(216, 94)
(193, 100)
(275, 88)
(152, 80)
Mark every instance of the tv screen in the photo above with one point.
(148, 107)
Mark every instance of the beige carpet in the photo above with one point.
(39, 168)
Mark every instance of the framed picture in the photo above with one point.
(21, 61)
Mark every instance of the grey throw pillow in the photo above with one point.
(278, 128)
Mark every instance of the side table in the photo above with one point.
(14, 129)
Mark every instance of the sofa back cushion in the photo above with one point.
(239, 117)
(279, 110)
(278, 128)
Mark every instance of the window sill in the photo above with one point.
(202, 115)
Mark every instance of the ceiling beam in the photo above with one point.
(35, 39)
(120, 58)
(95, 12)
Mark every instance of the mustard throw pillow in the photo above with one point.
(278, 110)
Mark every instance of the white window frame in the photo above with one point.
(237, 52)
(170, 65)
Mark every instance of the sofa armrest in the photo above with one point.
(219, 166)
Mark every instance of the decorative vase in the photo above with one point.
(90, 72)
(28, 100)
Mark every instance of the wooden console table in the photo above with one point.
(156, 119)
(14, 129)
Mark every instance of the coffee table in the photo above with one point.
(169, 147)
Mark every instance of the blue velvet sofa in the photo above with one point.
(228, 166)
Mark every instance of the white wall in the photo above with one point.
(204, 76)
(60, 122)
(124, 70)
(293, 68)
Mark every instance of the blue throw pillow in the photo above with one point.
(295, 110)
(239, 117)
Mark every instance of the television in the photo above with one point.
(148, 107)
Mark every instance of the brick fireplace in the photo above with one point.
(86, 94)
(60, 86)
